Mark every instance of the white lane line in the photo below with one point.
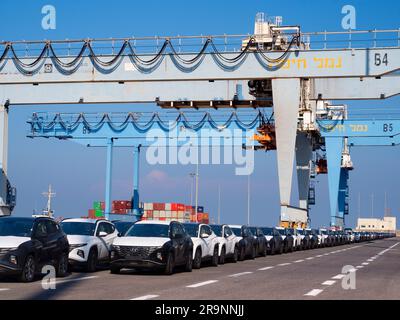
(4, 289)
(359, 267)
(326, 254)
(298, 261)
(314, 292)
(200, 284)
(319, 256)
(284, 264)
(365, 263)
(150, 296)
(309, 258)
(239, 274)
(72, 280)
(339, 276)
(265, 268)
(329, 283)
(370, 260)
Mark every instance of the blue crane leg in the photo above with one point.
(108, 178)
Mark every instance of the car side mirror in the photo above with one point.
(119, 234)
(204, 235)
(102, 234)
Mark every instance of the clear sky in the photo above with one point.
(78, 173)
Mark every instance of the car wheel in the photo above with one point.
(189, 262)
(264, 252)
(115, 270)
(197, 259)
(214, 261)
(242, 255)
(281, 249)
(92, 261)
(235, 254)
(222, 256)
(28, 270)
(272, 249)
(169, 268)
(62, 265)
(254, 252)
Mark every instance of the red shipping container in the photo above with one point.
(158, 206)
(188, 208)
(181, 207)
(91, 214)
(199, 217)
(174, 207)
(162, 219)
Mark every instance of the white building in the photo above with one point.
(387, 224)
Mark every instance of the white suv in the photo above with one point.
(89, 241)
(228, 243)
(205, 244)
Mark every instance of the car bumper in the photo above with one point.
(8, 268)
(137, 264)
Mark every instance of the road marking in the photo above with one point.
(200, 284)
(297, 261)
(150, 296)
(328, 283)
(72, 280)
(239, 274)
(359, 267)
(365, 263)
(309, 258)
(314, 292)
(319, 256)
(370, 260)
(326, 254)
(4, 289)
(284, 264)
(265, 268)
(339, 276)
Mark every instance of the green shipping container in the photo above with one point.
(98, 213)
(97, 205)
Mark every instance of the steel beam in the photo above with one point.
(108, 194)
(4, 206)
(342, 195)
(303, 166)
(135, 199)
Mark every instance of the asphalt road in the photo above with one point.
(313, 274)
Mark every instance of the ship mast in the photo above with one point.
(49, 194)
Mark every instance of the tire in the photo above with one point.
(115, 270)
(235, 257)
(254, 253)
(91, 265)
(281, 249)
(264, 252)
(197, 259)
(215, 257)
(28, 270)
(169, 268)
(189, 262)
(273, 250)
(62, 265)
(222, 256)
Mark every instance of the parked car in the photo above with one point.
(288, 239)
(350, 235)
(122, 226)
(151, 244)
(247, 242)
(90, 241)
(28, 244)
(297, 239)
(274, 240)
(259, 236)
(314, 238)
(305, 239)
(325, 238)
(228, 243)
(357, 237)
(205, 244)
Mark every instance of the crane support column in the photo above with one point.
(4, 192)
(342, 196)
(135, 199)
(110, 144)
(303, 166)
(334, 147)
(286, 101)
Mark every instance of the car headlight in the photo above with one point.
(159, 255)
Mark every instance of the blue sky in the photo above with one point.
(77, 173)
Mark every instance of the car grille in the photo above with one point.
(4, 251)
(135, 252)
(74, 246)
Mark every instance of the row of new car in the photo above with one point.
(28, 244)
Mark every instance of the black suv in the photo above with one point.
(260, 240)
(247, 243)
(28, 244)
(153, 245)
(274, 240)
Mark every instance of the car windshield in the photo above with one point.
(78, 228)
(16, 227)
(237, 231)
(281, 232)
(192, 229)
(267, 231)
(122, 226)
(148, 230)
(217, 230)
(253, 231)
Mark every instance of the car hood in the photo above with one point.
(141, 241)
(12, 242)
(268, 237)
(77, 239)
